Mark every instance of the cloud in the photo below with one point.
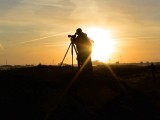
(9, 4)
(45, 37)
(139, 10)
(1, 47)
(55, 11)
(37, 12)
(56, 44)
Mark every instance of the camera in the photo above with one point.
(71, 36)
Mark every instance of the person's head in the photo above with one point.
(79, 31)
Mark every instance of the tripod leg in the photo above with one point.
(75, 49)
(65, 55)
(72, 56)
(78, 62)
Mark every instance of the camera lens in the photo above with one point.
(69, 35)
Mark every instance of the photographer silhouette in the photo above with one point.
(82, 45)
(84, 49)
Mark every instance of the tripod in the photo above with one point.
(72, 45)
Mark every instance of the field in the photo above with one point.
(112, 92)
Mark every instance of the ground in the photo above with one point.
(53, 93)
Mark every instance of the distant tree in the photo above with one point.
(117, 62)
(39, 64)
(97, 62)
(141, 62)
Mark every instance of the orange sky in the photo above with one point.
(33, 32)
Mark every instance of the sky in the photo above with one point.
(33, 32)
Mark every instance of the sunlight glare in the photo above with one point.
(104, 44)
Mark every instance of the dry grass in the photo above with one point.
(45, 92)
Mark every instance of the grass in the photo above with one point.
(46, 92)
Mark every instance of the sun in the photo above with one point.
(104, 45)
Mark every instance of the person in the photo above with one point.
(84, 48)
(153, 70)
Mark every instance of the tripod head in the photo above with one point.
(72, 37)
